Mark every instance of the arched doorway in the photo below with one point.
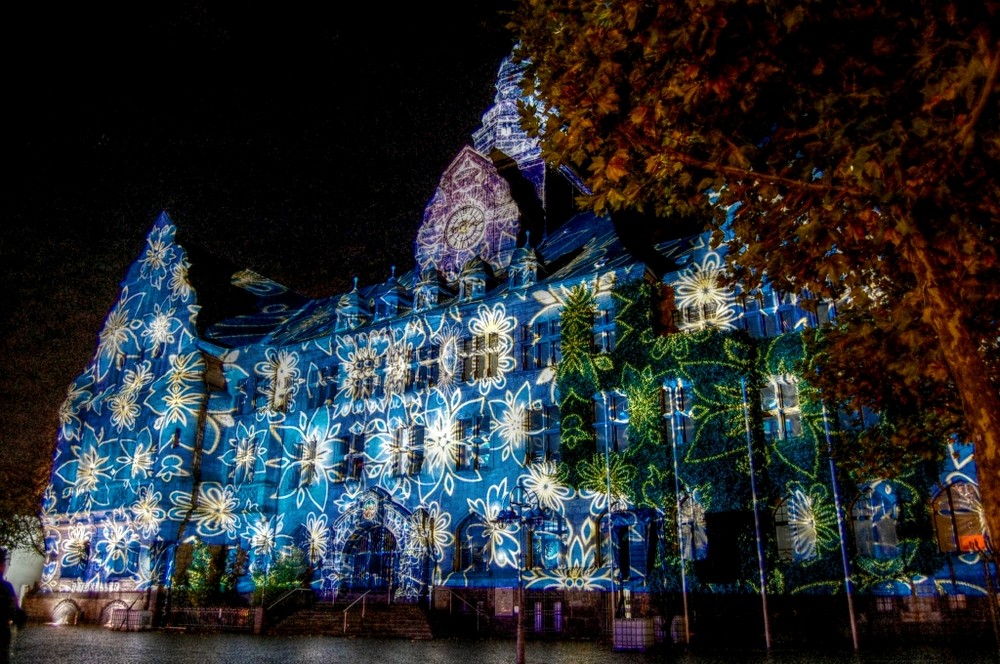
(371, 554)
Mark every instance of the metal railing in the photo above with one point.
(221, 618)
(466, 602)
(288, 594)
(351, 605)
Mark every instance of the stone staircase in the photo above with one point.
(380, 620)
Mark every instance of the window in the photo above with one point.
(481, 357)
(244, 459)
(612, 422)
(541, 434)
(693, 533)
(619, 545)
(472, 543)
(426, 374)
(540, 344)
(325, 389)
(604, 332)
(754, 318)
(471, 438)
(675, 405)
(547, 544)
(885, 604)
(307, 453)
(783, 532)
(780, 403)
(363, 374)
(795, 528)
(874, 516)
(407, 455)
(959, 518)
(246, 395)
(354, 460)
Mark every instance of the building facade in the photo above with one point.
(540, 412)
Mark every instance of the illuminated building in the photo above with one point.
(379, 432)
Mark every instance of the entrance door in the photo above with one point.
(372, 554)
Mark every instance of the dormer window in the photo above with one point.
(472, 281)
(351, 310)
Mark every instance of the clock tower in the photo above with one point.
(472, 213)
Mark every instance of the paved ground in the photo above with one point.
(46, 644)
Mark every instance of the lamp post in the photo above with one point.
(756, 515)
(675, 404)
(524, 511)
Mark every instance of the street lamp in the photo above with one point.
(524, 511)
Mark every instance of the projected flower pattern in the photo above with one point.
(284, 462)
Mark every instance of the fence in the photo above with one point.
(226, 619)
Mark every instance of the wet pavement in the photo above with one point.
(49, 644)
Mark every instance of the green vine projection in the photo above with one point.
(595, 473)
(577, 381)
(709, 365)
(719, 381)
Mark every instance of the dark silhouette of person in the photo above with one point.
(10, 610)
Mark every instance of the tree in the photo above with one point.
(849, 149)
(290, 570)
(20, 526)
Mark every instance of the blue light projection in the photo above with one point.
(380, 431)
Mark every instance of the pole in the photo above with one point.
(611, 546)
(520, 590)
(848, 584)
(519, 498)
(674, 428)
(756, 516)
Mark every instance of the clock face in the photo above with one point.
(465, 227)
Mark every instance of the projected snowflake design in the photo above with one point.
(246, 452)
(116, 544)
(361, 361)
(159, 255)
(813, 522)
(264, 535)
(317, 537)
(496, 328)
(701, 294)
(214, 512)
(280, 368)
(545, 481)
(179, 284)
(116, 334)
(76, 547)
(147, 515)
(433, 529)
(77, 397)
(309, 459)
(510, 415)
(138, 457)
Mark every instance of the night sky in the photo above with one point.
(302, 143)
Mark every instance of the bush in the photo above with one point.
(289, 571)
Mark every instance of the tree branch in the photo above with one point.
(984, 95)
(716, 167)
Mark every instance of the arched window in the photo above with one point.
(959, 518)
(874, 516)
(471, 545)
(548, 544)
(795, 528)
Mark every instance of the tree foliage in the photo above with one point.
(850, 149)
(290, 570)
(24, 479)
